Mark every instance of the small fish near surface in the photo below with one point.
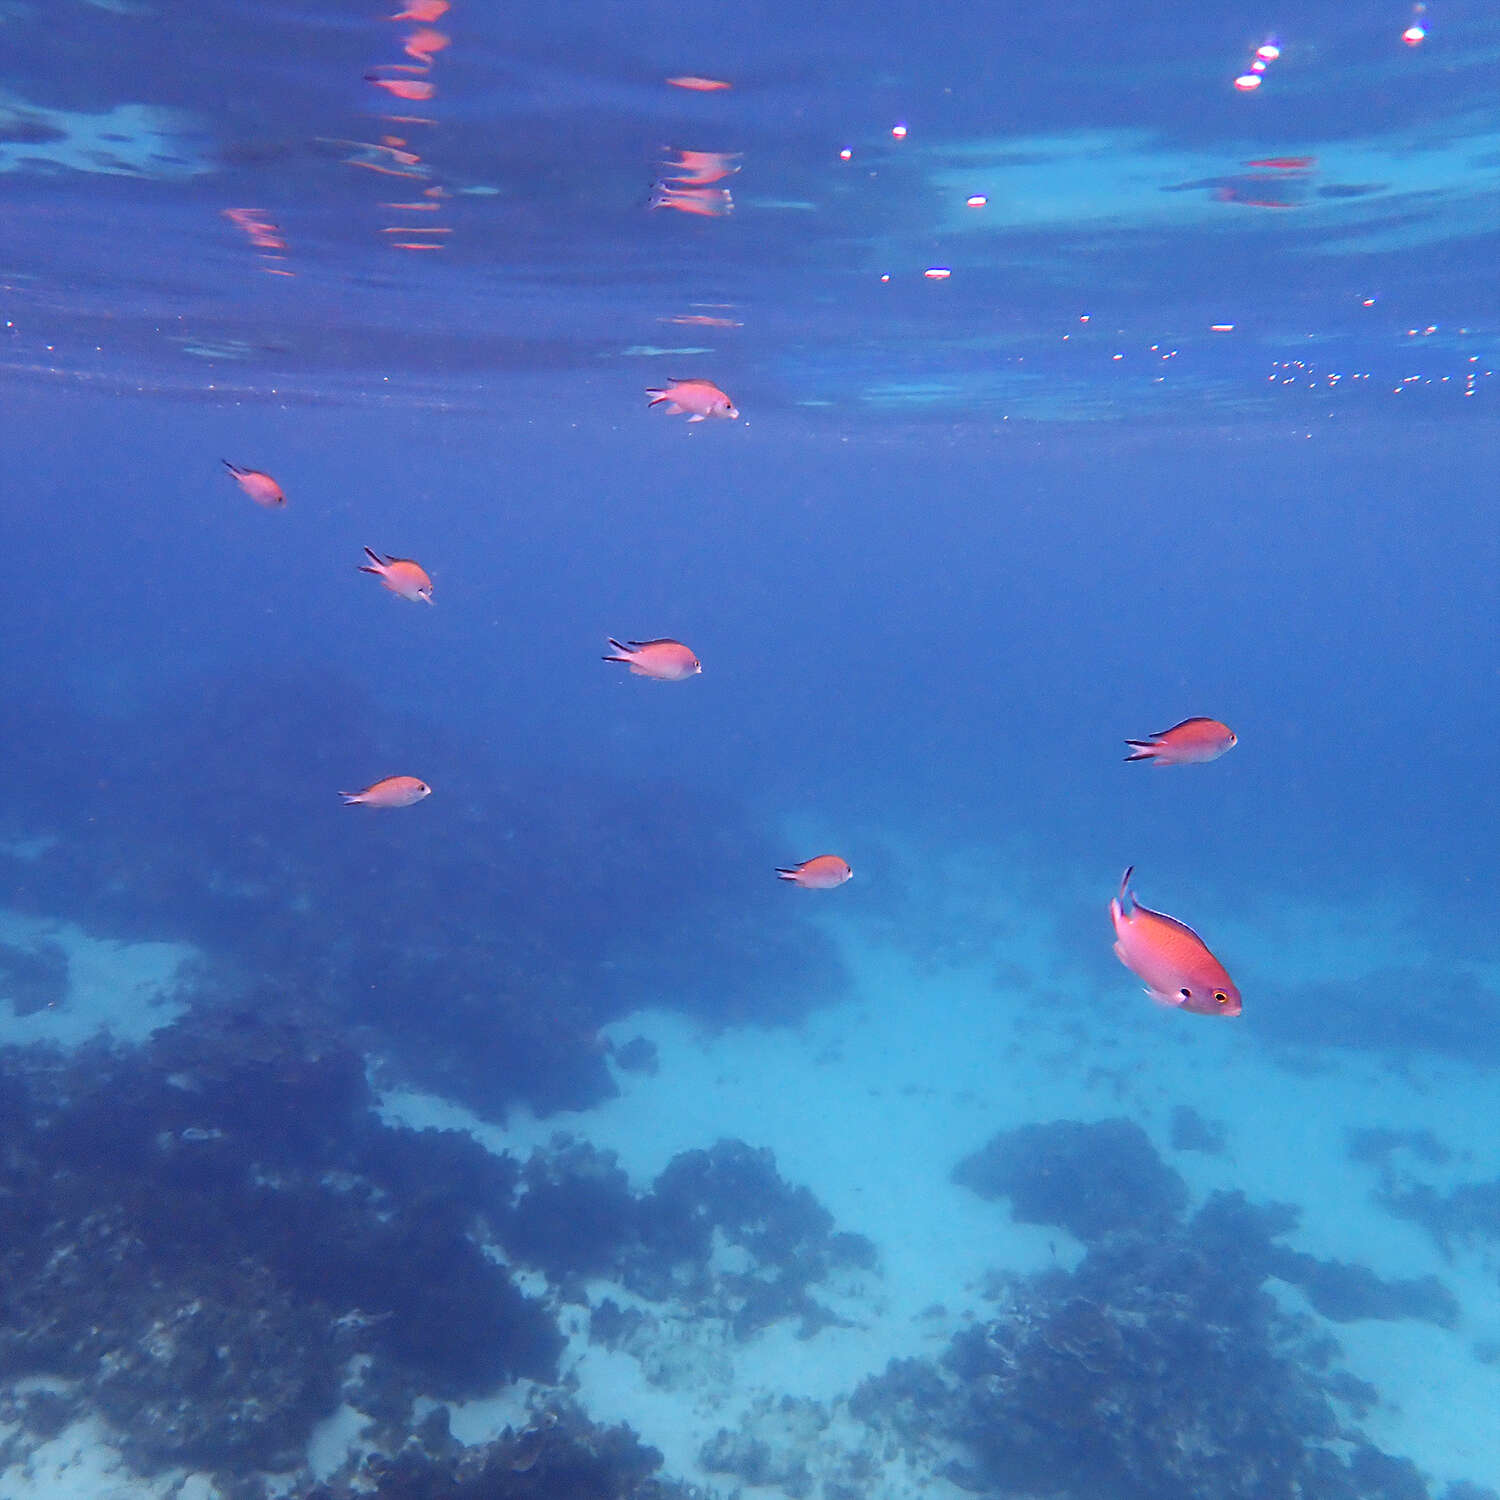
(699, 168)
(1190, 743)
(666, 660)
(400, 575)
(699, 398)
(821, 873)
(392, 791)
(260, 487)
(1172, 960)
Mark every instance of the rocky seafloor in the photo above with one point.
(214, 1242)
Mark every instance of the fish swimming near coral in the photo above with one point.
(1172, 960)
(1190, 743)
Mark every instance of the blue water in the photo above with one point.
(1199, 421)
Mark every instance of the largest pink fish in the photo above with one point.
(1172, 960)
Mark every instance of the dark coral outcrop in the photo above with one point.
(1086, 1178)
(559, 1456)
(200, 1235)
(720, 1232)
(1161, 1368)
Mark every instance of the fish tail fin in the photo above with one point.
(788, 874)
(1126, 898)
(1142, 750)
(622, 654)
(657, 395)
(374, 558)
(234, 469)
(350, 798)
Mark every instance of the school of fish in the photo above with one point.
(1175, 964)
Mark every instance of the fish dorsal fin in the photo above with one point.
(1172, 922)
(1196, 719)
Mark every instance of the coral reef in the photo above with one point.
(214, 1240)
(1343, 1292)
(638, 1055)
(1086, 1178)
(1191, 1132)
(1161, 1367)
(199, 1238)
(720, 1234)
(561, 1456)
(772, 1445)
(1467, 1214)
(1380, 1146)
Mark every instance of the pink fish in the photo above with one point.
(260, 487)
(706, 202)
(702, 398)
(422, 10)
(699, 85)
(1170, 957)
(665, 660)
(424, 42)
(400, 575)
(699, 168)
(393, 791)
(1186, 744)
(403, 88)
(821, 873)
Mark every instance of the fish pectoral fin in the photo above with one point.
(697, 416)
(1171, 1002)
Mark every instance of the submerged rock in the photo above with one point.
(1086, 1178)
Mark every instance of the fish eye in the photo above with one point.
(1221, 997)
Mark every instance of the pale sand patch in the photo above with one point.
(81, 1464)
(125, 989)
